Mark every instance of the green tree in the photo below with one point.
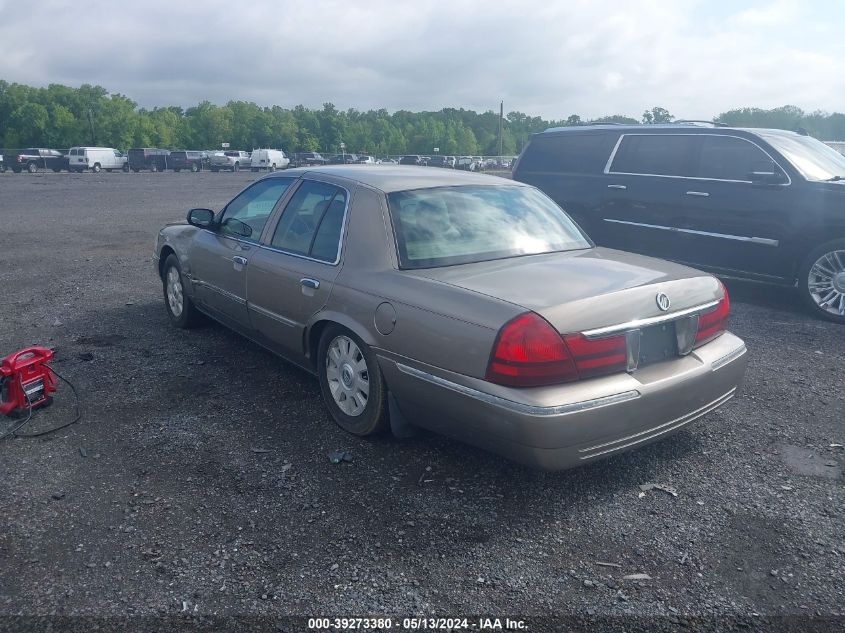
(657, 115)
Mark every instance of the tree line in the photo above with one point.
(62, 116)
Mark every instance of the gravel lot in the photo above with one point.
(198, 481)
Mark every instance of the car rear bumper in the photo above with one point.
(560, 427)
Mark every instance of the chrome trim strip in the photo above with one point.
(220, 291)
(656, 431)
(728, 358)
(519, 407)
(273, 315)
(765, 241)
(656, 320)
(742, 138)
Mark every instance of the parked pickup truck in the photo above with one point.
(34, 159)
(229, 160)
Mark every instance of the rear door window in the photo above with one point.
(656, 155)
(568, 152)
(312, 222)
(730, 158)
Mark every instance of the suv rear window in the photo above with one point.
(655, 155)
(568, 153)
(444, 226)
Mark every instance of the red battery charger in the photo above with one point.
(26, 381)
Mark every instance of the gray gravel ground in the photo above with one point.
(198, 481)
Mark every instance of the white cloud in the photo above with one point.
(589, 57)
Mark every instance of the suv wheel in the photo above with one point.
(194, 168)
(821, 281)
(154, 167)
(32, 168)
(96, 168)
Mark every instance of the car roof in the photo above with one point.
(686, 128)
(399, 177)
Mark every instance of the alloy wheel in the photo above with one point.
(826, 282)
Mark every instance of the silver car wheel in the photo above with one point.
(347, 375)
(826, 282)
(174, 292)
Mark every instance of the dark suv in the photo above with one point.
(764, 205)
(191, 160)
(148, 158)
(306, 159)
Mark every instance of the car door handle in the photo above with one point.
(617, 187)
(700, 194)
(310, 283)
(240, 260)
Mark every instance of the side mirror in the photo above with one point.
(767, 173)
(235, 226)
(201, 217)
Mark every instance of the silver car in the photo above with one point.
(469, 305)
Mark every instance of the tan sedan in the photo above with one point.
(466, 304)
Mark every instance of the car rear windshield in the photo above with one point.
(445, 226)
(814, 159)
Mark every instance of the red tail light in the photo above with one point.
(529, 352)
(596, 357)
(712, 324)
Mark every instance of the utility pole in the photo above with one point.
(501, 117)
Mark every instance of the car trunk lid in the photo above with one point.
(585, 290)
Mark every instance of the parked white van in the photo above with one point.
(96, 158)
(271, 159)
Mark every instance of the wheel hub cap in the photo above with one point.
(174, 292)
(826, 282)
(347, 375)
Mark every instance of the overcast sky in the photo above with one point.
(543, 57)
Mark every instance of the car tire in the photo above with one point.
(273, 167)
(180, 309)
(194, 168)
(153, 167)
(236, 167)
(821, 281)
(96, 168)
(351, 382)
(126, 168)
(32, 168)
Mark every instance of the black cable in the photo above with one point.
(15, 429)
(76, 418)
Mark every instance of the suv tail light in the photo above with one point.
(711, 324)
(529, 352)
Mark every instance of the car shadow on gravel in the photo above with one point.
(781, 298)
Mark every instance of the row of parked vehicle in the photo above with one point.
(97, 159)
(468, 163)
(153, 159)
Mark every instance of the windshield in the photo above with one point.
(814, 159)
(445, 226)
